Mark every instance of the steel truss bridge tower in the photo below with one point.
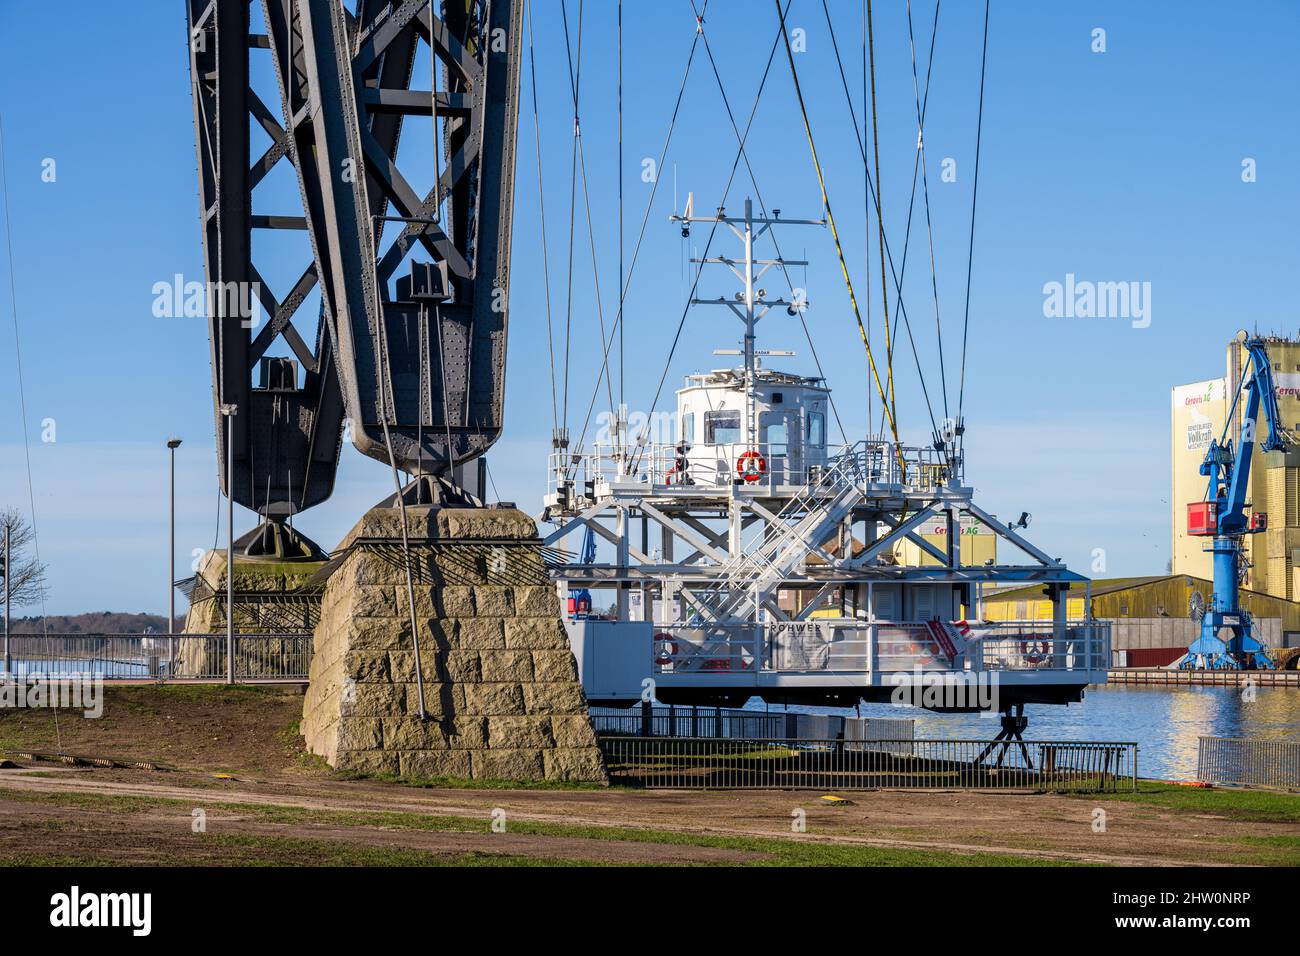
(410, 338)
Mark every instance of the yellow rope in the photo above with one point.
(880, 219)
(839, 248)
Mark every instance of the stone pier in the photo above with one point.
(501, 688)
(271, 597)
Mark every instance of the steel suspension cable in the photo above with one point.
(925, 186)
(866, 180)
(541, 212)
(896, 271)
(830, 218)
(970, 251)
(880, 221)
(758, 194)
(591, 236)
(575, 79)
(595, 271)
(618, 319)
(681, 322)
(22, 391)
(385, 383)
(869, 188)
(645, 219)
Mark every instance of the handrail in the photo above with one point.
(850, 645)
(873, 461)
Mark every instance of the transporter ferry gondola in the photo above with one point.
(750, 557)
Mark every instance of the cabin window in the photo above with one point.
(688, 427)
(721, 428)
(778, 439)
(816, 429)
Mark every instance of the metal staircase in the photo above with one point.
(804, 522)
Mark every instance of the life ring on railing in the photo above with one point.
(665, 649)
(678, 475)
(922, 654)
(751, 466)
(1035, 651)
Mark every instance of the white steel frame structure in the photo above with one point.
(711, 558)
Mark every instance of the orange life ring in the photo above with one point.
(666, 649)
(751, 466)
(922, 654)
(1035, 651)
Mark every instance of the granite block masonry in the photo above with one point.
(501, 689)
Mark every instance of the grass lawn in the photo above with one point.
(255, 850)
(1264, 806)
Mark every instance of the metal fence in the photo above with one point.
(257, 657)
(667, 720)
(1260, 763)
(698, 763)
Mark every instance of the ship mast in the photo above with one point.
(752, 303)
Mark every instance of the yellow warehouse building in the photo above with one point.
(1151, 626)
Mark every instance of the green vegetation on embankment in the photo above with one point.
(1263, 806)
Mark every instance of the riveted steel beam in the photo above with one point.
(286, 437)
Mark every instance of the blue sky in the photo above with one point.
(1117, 166)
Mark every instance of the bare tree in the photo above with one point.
(27, 575)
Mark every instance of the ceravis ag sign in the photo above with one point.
(1199, 409)
(939, 527)
(1203, 406)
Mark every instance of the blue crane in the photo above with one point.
(1227, 640)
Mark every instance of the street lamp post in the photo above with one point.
(172, 445)
(230, 411)
(9, 569)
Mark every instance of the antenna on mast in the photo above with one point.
(751, 303)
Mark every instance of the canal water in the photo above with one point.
(1165, 722)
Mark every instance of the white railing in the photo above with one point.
(884, 463)
(683, 648)
(846, 645)
(708, 466)
(1037, 645)
(715, 466)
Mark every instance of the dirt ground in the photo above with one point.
(234, 759)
